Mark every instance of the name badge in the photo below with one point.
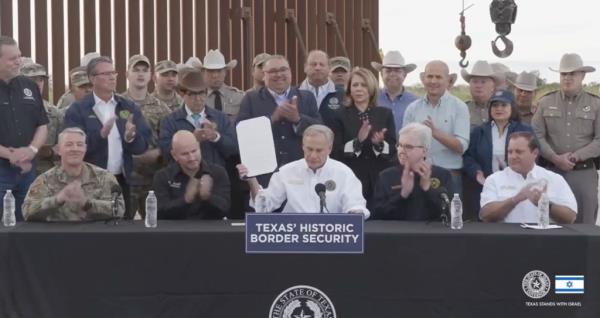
(175, 185)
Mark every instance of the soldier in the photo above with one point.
(258, 76)
(74, 190)
(220, 96)
(317, 81)
(80, 84)
(394, 95)
(146, 164)
(482, 84)
(67, 98)
(45, 158)
(340, 71)
(567, 125)
(525, 88)
(165, 81)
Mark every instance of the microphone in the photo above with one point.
(115, 192)
(445, 205)
(320, 190)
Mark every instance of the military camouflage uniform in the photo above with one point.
(154, 111)
(231, 98)
(564, 125)
(172, 103)
(65, 100)
(46, 158)
(40, 203)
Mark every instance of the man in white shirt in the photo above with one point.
(511, 195)
(297, 181)
(115, 127)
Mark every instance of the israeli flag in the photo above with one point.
(568, 284)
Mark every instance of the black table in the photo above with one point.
(200, 269)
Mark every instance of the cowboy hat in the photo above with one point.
(480, 69)
(191, 80)
(572, 62)
(393, 59)
(214, 60)
(526, 81)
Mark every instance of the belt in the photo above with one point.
(582, 165)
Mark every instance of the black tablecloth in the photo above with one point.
(200, 269)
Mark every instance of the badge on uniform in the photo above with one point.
(28, 94)
(334, 103)
(435, 183)
(124, 114)
(587, 108)
(175, 185)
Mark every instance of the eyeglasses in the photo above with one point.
(108, 73)
(408, 147)
(195, 93)
(277, 70)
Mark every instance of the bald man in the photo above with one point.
(190, 188)
(448, 118)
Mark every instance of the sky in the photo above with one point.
(425, 30)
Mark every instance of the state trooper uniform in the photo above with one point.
(563, 125)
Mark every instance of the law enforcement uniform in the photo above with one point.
(231, 98)
(21, 113)
(563, 124)
(478, 113)
(96, 183)
(141, 179)
(419, 205)
(45, 159)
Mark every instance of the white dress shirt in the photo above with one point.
(498, 147)
(320, 92)
(507, 183)
(296, 182)
(105, 111)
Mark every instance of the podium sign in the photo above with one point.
(304, 233)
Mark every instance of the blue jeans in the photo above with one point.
(11, 178)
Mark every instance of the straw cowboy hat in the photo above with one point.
(526, 81)
(480, 69)
(214, 60)
(393, 59)
(572, 62)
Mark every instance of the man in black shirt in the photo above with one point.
(23, 125)
(413, 190)
(191, 187)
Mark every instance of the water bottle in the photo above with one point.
(151, 207)
(544, 211)
(8, 217)
(456, 212)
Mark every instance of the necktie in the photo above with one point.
(218, 103)
(196, 117)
